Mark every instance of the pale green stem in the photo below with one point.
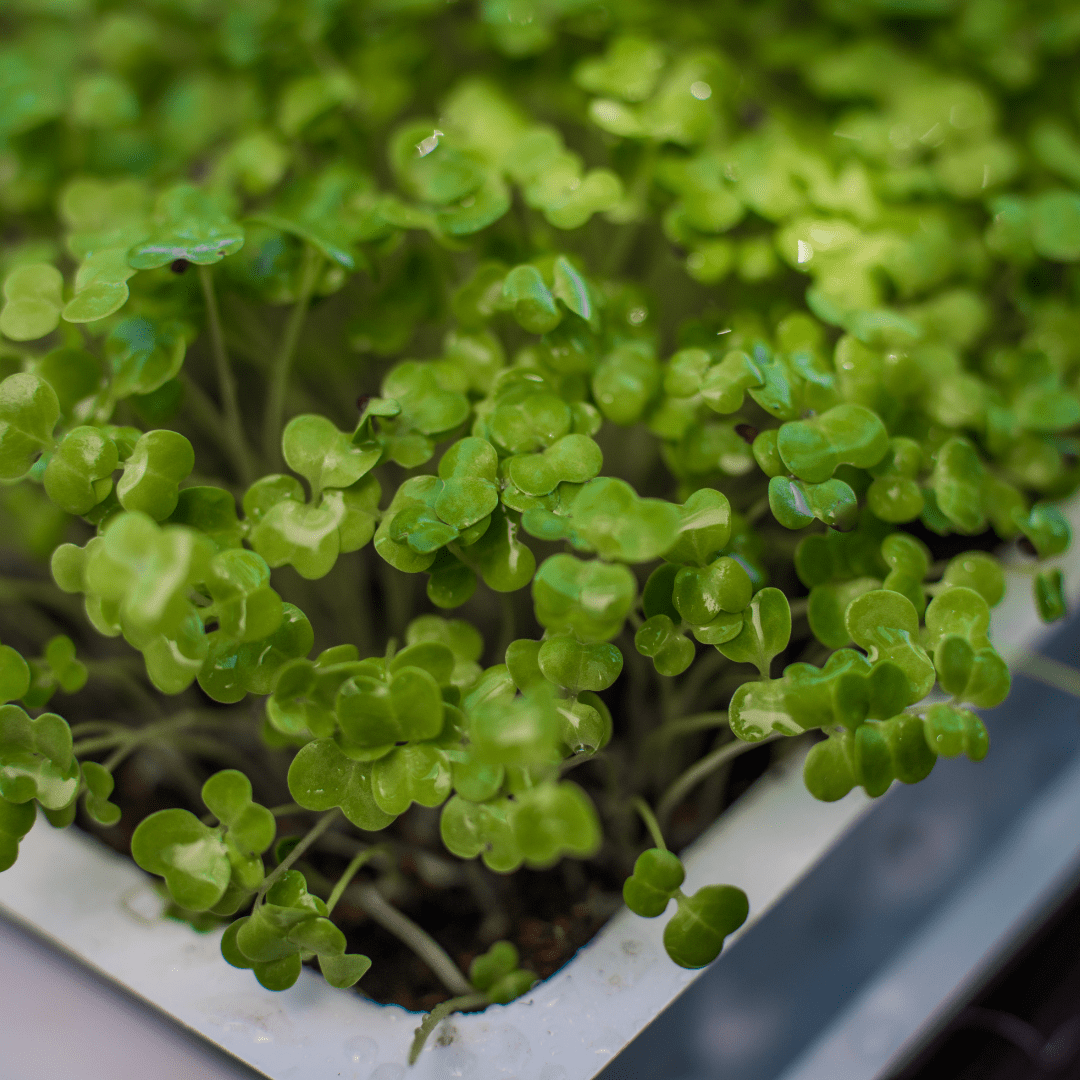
(358, 860)
(700, 674)
(1049, 672)
(643, 808)
(102, 742)
(123, 678)
(701, 769)
(212, 424)
(132, 737)
(233, 426)
(688, 725)
(206, 746)
(580, 758)
(88, 726)
(279, 373)
(637, 190)
(437, 1015)
(118, 755)
(418, 940)
(311, 836)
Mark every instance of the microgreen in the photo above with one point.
(627, 344)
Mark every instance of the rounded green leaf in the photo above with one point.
(33, 297)
(432, 399)
(611, 518)
(979, 571)
(827, 608)
(1046, 527)
(468, 470)
(36, 760)
(657, 875)
(589, 599)
(827, 771)
(945, 727)
(188, 225)
(913, 759)
(16, 820)
(695, 934)
(476, 781)
(29, 410)
(586, 723)
(705, 530)
(886, 625)
(1055, 225)
(954, 658)
(847, 434)
(305, 537)
(486, 969)
(572, 459)
(957, 611)
(765, 632)
(191, 857)
(251, 827)
(957, 485)
(451, 582)
(700, 594)
(418, 773)
(322, 777)
(143, 355)
(524, 730)
(555, 819)
(409, 708)
(14, 674)
(625, 382)
(469, 829)
(1050, 602)
(153, 472)
(99, 786)
(578, 666)
(523, 663)
(212, 511)
(247, 608)
(504, 562)
(341, 972)
(79, 473)
(323, 455)
(672, 652)
(232, 669)
(656, 597)
(895, 498)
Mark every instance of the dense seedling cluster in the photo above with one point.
(701, 334)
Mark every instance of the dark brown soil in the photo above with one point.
(549, 914)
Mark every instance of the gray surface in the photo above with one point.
(1005, 900)
(801, 983)
(60, 1020)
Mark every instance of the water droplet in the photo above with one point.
(701, 90)
(425, 146)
